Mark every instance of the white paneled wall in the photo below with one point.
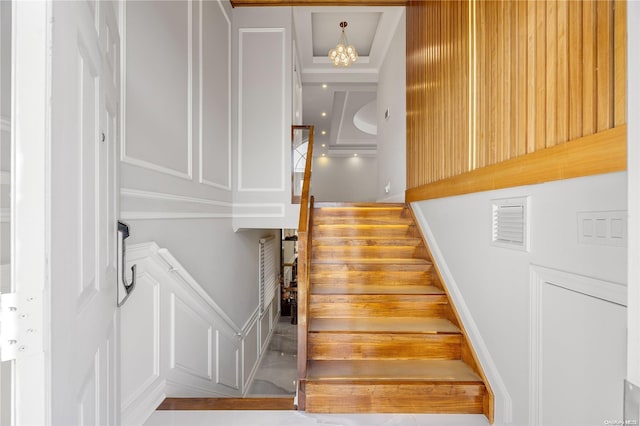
(192, 326)
(176, 112)
(263, 68)
(523, 328)
(178, 342)
(576, 322)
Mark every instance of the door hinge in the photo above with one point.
(20, 325)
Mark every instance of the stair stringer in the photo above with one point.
(484, 364)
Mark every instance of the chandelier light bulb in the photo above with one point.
(343, 54)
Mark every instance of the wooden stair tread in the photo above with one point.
(391, 370)
(367, 241)
(384, 325)
(369, 261)
(339, 204)
(348, 288)
(363, 226)
(371, 270)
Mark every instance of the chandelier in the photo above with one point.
(343, 54)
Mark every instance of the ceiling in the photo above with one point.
(339, 92)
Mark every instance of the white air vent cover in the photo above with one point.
(510, 227)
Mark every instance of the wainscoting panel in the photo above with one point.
(250, 347)
(215, 95)
(228, 367)
(578, 349)
(177, 342)
(191, 340)
(265, 327)
(261, 119)
(140, 344)
(157, 76)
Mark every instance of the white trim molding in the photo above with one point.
(540, 276)
(186, 207)
(491, 371)
(181, 207)
(153, 195)
(124, 157)
(281, 167)
(224, 186)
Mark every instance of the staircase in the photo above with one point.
(382, 334)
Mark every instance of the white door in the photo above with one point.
(74, 56)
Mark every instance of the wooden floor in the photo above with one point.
(227, 404)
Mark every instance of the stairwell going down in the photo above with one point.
(383, 336)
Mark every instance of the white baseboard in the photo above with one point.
(139, 412)
(393, 198)
(489, 367)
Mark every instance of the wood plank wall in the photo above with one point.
(490, 81)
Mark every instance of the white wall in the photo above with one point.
(223, 262)
(347, 179)
(494, 283)
(262, 70)
(392, 132)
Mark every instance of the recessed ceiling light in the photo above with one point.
(323, 155)
(324, 114)
(324, 144)
(355, 155)
(324, 86)
(324, 132)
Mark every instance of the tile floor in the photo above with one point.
(276, 376)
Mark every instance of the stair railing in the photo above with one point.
(304, 263)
